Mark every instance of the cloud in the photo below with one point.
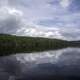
(66, 33)
(41, 32)
(45, 18)
(10, 20)
(65, 3)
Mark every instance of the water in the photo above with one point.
(64, 63)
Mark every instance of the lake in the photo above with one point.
(63, 64)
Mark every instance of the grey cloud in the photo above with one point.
(70, 33)
(71, 36)
(16, 2)
(19, 4)
(53, 2)
(9, 24)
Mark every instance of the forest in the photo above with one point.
(10, 44)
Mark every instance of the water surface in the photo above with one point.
(42, 65)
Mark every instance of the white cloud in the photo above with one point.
(66, 33)
(13, 11)
(65, 3)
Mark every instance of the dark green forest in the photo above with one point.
(21, 44)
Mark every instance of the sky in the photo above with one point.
(41, 18)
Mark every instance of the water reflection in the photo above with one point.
(65, 62)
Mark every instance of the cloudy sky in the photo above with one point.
(42, 18)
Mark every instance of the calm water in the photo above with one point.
(42, 65)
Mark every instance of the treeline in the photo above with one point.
(18, 44)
